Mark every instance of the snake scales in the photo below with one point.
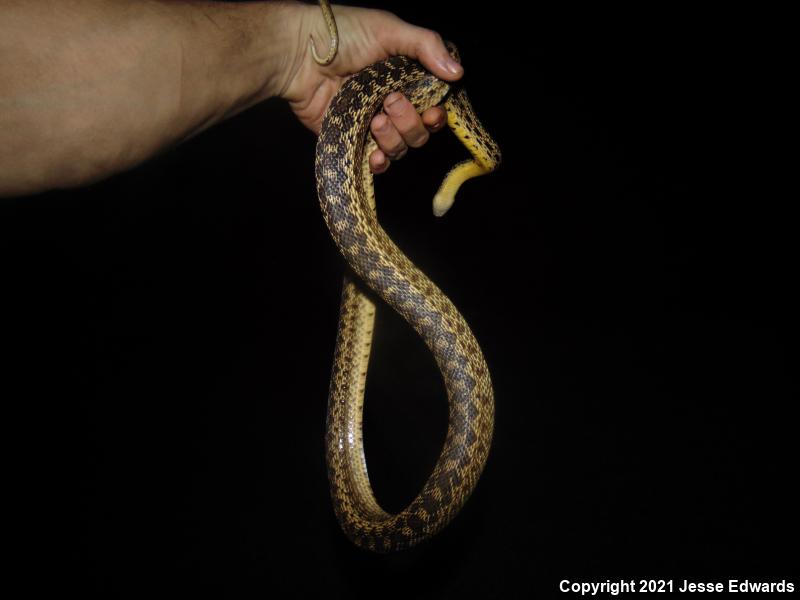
(344, 185)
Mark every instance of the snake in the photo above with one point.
(377, 268)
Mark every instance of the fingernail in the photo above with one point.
(453, 66)
(380, 122)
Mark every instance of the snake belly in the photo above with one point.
(344, 185)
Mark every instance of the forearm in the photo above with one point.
(92, 87)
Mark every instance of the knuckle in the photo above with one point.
(416, 134)
(389, 138)
(409, 123)
(397, 106)
(384, 14)
(419, 139)
(429, 37)
(390, 145)
(379, 124)
(427, 41)
(396, 152)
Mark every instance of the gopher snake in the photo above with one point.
(344, 185)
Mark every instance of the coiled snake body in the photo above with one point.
(344, 185)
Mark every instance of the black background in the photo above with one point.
(629, 272)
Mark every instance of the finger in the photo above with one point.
(434, 118)
(387, 136)
(378, 163)
(399, 37)
(405, 120)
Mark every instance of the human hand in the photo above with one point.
(365, 36)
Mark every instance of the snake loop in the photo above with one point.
(344, 185)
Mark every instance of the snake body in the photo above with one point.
(344, 185)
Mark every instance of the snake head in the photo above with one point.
(429, 90)
(451, 48)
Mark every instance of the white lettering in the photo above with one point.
(615, 588)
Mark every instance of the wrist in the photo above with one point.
(301, 21)
(235, 55)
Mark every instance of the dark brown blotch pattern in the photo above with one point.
(382, 268)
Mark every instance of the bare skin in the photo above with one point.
(89, 88)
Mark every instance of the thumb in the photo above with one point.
(422, 44)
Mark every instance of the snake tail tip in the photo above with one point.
(323, 61)
(441, 204)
